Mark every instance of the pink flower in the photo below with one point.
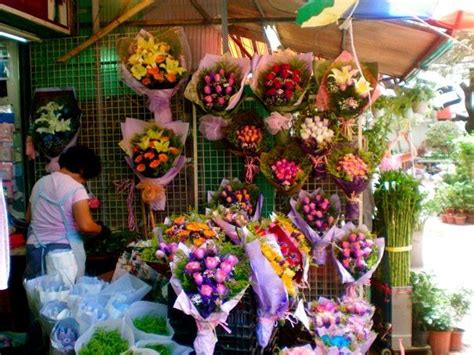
(208, 99)
(232, 260)
(218, 89)
(221, 289)
(222, 72)
(345, 244)
(211, 262)
(228, 90)
(217, 77)
(231, 82)
(199, 253)
(160, 254)
(346, 263)
(197, 278)
(277, 122)
(221, 276)
(346, 252)
(207, 79)
(205, 290)
(207, 90)
(226, 267)
(192, 267)
(221, 101)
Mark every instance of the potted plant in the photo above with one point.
(424, 293)
(421, 96)
(460, 303)
(439, 321)
(440, 139)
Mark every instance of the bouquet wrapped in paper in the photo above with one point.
(286, 168)
(234, 205)
(155, 65)
(154, 152)
(55, 123)
(342, 326)
(345, 90)
(298, 350)
(351, 169)
(316, 216)
(217, 87)
(281, 80)
(357, 253)
(248, 138)
(267, 283)
(316, 133)
(209, 282)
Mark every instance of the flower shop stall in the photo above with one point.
(235, 182)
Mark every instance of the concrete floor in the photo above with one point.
(448, 251)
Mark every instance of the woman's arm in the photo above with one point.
(83, 218)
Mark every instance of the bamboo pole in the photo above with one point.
(104, 31)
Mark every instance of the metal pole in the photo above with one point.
(225, 27)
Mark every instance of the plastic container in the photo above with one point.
(142, 308)
(128, 285)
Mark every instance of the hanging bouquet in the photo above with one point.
(55, 123)
(357, 253)
(234, 205)
(286, 168)
(269, 280)
(342, 326)
(345, 90)
(316, 133)
(154, 153)
(217, 87)
(280, 80)
(316, 215)
(298, 350)
(351, 170)
(209, 281)
(247, 138)
(155, 65)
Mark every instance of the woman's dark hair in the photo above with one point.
(82, 161)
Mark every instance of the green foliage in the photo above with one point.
(152, 324)
(461, 303)
(105, 342)
(161, 349)
(112, 245)
(440, 138)
(376, 134)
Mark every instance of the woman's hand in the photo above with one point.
(83, 218)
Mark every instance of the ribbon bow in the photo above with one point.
(128, 186)
(150, 191)
(251, 167)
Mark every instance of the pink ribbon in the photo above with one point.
(251, 168)
(159, 104)
(128, 186)
(346, 127)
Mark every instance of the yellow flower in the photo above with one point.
(142, 43)
(154, 133)
(164, 47)
(138, 71)
(277, 268)
(144, 142)
(344, 76)
(134, 59)
(161, 146)
(288, 283)
(172, 66)
(362, 87)
(149, 58)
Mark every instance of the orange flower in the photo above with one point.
(163, 158)
(173, 150)
(160, 58)
(179, 220)
(171, 77)
(149, 155)
(138, 159)
(141, 168)
(155, 163)
(146, 81)
(157, 74)
(198, 241)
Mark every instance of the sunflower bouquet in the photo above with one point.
(154, 152)
(155, 65)
(352, 170)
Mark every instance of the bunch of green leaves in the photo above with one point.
(112, 245)
(105, 343)
(460, 301)
(161, 349)
(376, 133)
(441, 137)
(152, 324)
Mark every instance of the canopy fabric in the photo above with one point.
(455, 21)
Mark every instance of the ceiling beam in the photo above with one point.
(241, 46)
(214, 21)
(259, 8)
(201, 10)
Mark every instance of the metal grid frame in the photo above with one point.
(106, 102)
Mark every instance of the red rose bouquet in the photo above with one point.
(155, 65)
(281, 80)
(154, 153)
(286, 167)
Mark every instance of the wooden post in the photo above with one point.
(225, 27)
(107, 29)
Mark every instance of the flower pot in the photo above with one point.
(470, 217)
(420, 337)
(444, 217)
(450, 210)
(456, 340)
(450, 218)
(421, 107)
(439, 342)
(460, 219)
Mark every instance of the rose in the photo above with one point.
(160, 254)
(228, 90)
(217, 77)
(232, 260)
(205, 291)
(207, 79)
(221, 276)
(208, 99)
(199, 253)
(276, 68)
(218, 89)
(197, 278)
(270, 76)
(221, 289)
(211, 262)
(207, 90)
(193, 266)
(226, 267)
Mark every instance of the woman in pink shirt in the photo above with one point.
(59, 213)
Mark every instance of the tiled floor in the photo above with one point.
(448, 251)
